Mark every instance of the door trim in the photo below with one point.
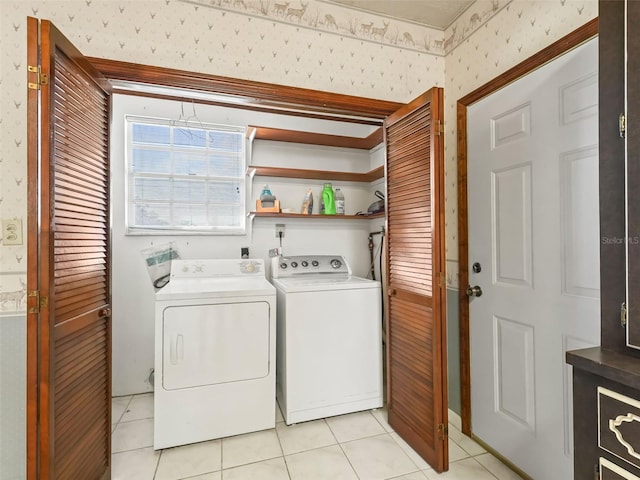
(566, 43)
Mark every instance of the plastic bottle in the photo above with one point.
(328, 200)
(339, 199)
(266, 197)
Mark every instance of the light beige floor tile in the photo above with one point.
(328, 463)
(411, 476)
(470, 446)
(495, 466)
(456, 452)
(141, 406)
(118, 407)
(132, 435)
(304, 436)
(207, 476)
(249, 448)
(135, 464)
(411, 453)
(354, 425)
(190, 460)
(274, 469)
(381, 415)
(377, 458)
(467, 469)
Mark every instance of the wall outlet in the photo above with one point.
(279, 230)
(12, 231)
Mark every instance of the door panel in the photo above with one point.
(69, 326)
(415, 258)
(533, 228)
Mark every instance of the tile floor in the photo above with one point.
(349, 447)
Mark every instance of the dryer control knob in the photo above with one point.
(283, 266)
(305, 263)
(315, 263)
(294, 264)
(335, 263)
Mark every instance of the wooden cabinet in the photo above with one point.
(606, 379)
(322, 140)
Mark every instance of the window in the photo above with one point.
(184, 177)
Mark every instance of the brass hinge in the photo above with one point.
(439, 127)
(622, 125)
(43, 78)
(41, 301)
(623, 314)
(443, 431)
(442, 279)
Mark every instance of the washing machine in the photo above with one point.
(215, 329)
(329, 338)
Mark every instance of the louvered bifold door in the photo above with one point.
(415, 259)
(74, 279)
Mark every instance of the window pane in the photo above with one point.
(190, 215)
(150, 161)
(186, 177)
(151, 188)
(225, 141)
(147, 133)
(224, 193)
(189, 191)
(152, 215)
(189, 163)
(225, 165)
(191, 137)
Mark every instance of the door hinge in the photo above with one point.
(623, 314)
(442, 279)
(439, 127)
(43, 78)
(622, 125)
(40, 301)
(443, 431)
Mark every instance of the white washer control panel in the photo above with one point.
(287, 266)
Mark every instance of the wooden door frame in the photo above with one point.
(566, 43)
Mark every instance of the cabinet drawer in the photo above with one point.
(619, 425)
(611, 471)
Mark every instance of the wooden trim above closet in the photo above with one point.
(566, 43)
(265, 94)
(313, 138)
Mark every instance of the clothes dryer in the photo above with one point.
(215, 329)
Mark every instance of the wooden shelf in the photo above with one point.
(315, 216)
(311, 138)
(375, 174)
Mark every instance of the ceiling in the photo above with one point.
(439, 14)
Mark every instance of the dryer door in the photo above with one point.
(211, 344)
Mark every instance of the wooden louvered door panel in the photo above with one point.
(416, 340)
(69, 265)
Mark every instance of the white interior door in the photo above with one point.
(534, 231)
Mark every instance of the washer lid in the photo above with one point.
(212, 287)
(323, 282)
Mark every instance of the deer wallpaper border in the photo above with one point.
(326, 16)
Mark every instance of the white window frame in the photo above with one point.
(174, 229)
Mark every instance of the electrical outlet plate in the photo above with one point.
(279, 229)
(12, 231)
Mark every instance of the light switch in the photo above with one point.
(12, 231)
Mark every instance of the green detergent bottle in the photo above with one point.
(328, 199)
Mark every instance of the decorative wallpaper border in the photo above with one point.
(324, 16)
(13, 293)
